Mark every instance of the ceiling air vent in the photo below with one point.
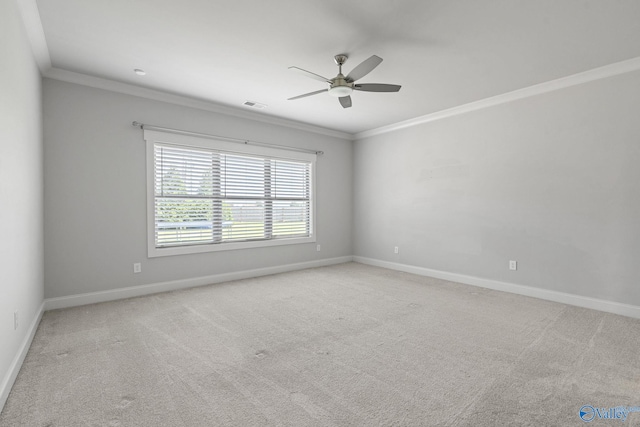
(253, 104)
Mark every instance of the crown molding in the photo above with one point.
(33, 27)
(156, 95)
(599, 73)
(606, 71)
(35, 33)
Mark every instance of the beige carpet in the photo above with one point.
(346, 345)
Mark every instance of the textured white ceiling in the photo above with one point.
(444, 53)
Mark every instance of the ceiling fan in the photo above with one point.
(341, 86)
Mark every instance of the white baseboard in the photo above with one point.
(135, 291)
(546, 294)
(153, 288)
(96, 297)
(14, 368)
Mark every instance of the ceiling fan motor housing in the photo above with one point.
(340, 87)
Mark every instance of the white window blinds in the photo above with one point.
(205, 196)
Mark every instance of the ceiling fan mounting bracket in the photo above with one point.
(340, 59)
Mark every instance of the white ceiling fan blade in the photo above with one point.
(364, 68)
(310, 74)
(308, 94)
(376, 87)
(345, 101)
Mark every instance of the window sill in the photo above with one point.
(154, 252)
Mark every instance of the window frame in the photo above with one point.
(152, 137)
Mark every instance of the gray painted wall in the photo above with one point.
(552, 181)
(95, 192)
(21, 286)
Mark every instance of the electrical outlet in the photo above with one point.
(137, 268)
(15, 320)
(513, 265)
(396, 250)
(318, 248)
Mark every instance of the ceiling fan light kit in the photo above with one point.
(341, 90)
(341, 86)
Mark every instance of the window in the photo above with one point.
(207, 195)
